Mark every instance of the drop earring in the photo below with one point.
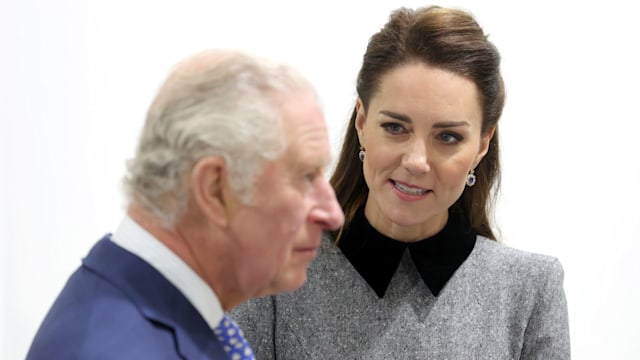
(361, 154)
(471, 178)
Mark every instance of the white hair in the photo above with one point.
(217, 103)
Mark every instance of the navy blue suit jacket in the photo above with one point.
(116, 306)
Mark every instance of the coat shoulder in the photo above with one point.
(515, 264)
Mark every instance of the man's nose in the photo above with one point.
(328, 214)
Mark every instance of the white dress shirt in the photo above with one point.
(135, 239)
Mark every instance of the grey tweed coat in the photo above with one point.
(501, 303)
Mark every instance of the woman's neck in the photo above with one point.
(405, 233)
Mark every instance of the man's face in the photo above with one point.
(278, 233)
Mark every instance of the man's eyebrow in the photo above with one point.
(317, 162)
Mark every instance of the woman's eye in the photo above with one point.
(393, 128)
(450, 138)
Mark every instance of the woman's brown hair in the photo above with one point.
(448, 39)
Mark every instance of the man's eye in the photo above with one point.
(310, 177)
(393, 128)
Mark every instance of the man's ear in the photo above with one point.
(485, 140)
(361, 118)
(208, 181)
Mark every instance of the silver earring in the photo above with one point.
(361, 155)
(471, 178)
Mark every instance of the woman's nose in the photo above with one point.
(415, 159)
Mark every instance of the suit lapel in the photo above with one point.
(157, 299)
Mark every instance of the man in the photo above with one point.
(227, 201)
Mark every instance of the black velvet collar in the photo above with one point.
(376, 257)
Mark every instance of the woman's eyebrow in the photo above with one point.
(396, 116)
(449, 124)
(438, 125)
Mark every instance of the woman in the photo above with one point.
(416, 272)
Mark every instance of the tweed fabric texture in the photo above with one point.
(501, 303)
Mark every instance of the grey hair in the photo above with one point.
(217, 103)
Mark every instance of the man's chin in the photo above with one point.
(288, 283)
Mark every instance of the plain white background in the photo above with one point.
(76, 78)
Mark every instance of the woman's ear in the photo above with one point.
(208, 181)
(361, 118)
(485, 140)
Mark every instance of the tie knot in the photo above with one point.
(233, 340)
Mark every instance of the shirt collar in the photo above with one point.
(376, 256)
(135, 239)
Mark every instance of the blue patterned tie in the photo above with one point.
(233, 340)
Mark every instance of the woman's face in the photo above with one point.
(422, 136)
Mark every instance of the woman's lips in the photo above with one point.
(409, 191)
(409, 188)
